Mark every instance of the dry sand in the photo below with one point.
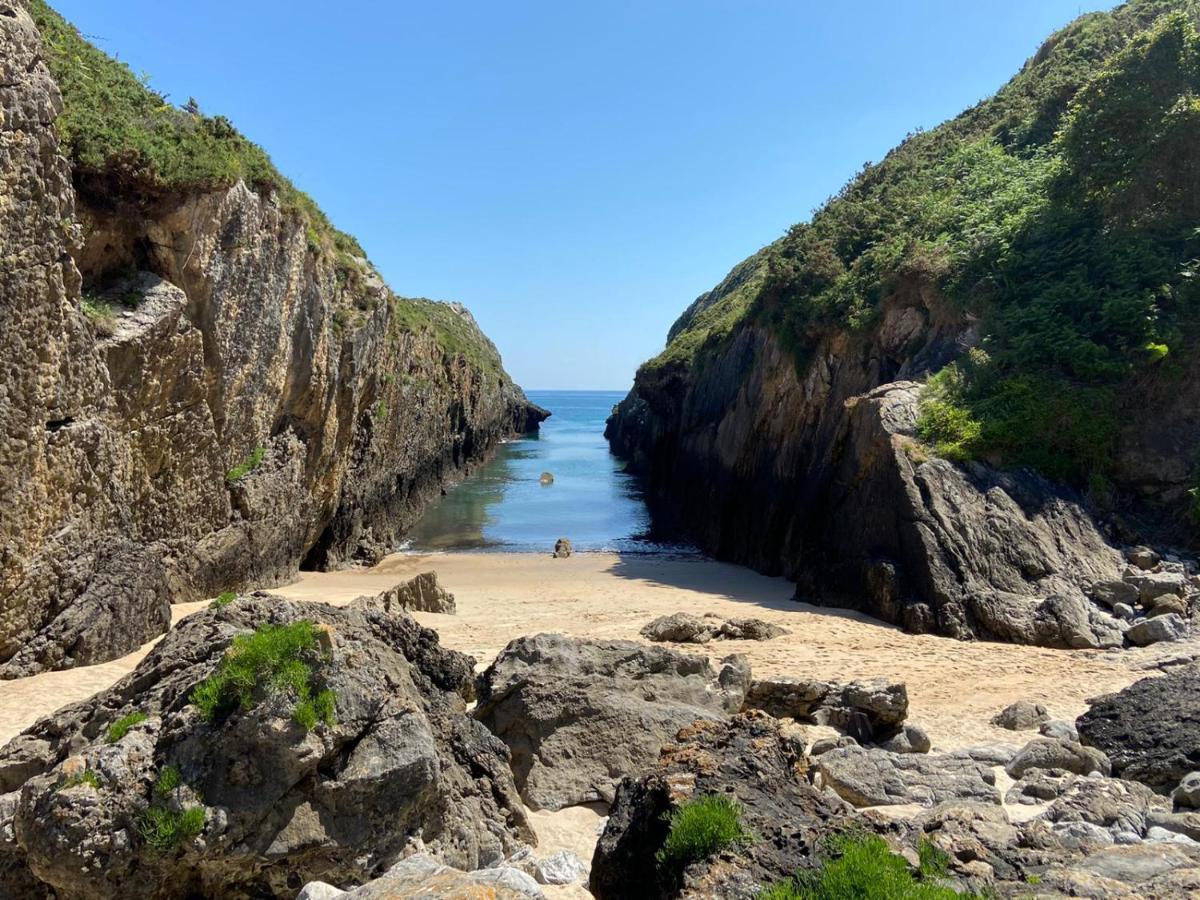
(954, 688)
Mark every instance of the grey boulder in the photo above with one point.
(875, 777)
(685, 628)
(1170, 627)
(578, 715)
(1051, 753)
(1021, 716)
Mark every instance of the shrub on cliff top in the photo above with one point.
(273, 660)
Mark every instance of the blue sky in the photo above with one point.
(576, 173)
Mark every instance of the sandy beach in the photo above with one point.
(954, 687)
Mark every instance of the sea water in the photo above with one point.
(505, 506)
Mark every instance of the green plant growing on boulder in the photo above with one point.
(120, 728)
(700, 828)
(87, 776)
(862, 867)
(165, 824)
(223, 599)
(273, 660)
(248, 465)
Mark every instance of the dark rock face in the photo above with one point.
(751, 761)
(578, 715)
(281, 805)
(822, 479)
(236, 344)
(1150, 731)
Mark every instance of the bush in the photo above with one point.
(274, 660)
(223, 599)
(865, 869)
(700, 828)
(165, 829)
(169, 780)
(248, 465)
(120, 728)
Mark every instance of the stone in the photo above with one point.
(1186, 823)
(874, 708)
(910, 739)
(685, 628)
(422, 877)
(320, 890)
(874, 777)
(1152, 585)
(748, 759)
(1050, 753)
(562, 548)
(422, 593)
(1114, 591)
(1166, 604)
(578, 715)
(1021, 716)
(1143, 558)
(1187, 794)
(1123, 611)
(1059, 730)
(546, 478)
(564, 867)
(1150, 730)
(282, 804)
(1170, 627)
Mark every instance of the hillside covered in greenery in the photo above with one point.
(1061, 213)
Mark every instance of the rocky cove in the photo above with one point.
(945, 642)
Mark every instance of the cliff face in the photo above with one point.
(200, 391)
(788, 426)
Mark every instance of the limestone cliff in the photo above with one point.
(204, 387)
(1045, 293)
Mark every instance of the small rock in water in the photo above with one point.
(562, 548)
(546, 478)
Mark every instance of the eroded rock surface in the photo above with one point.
(578, 715)
(282, 805)
(422, 593)
(685, 628)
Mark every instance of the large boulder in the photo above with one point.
(1052, 753)
(141, 792)
(1151, 730)
(422, 593)
(580, 714)
(747, 759)
(1167, 627)
(1021, 716)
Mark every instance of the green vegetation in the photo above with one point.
(87, 776)
(100, 313)
(114, 125)
(273, 660)
(120, 728)
(248, 465)
(223, 599)
(1061, 214)
(700, 828)
(861, 867)
(454, 333)
(166, 823)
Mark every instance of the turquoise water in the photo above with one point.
(503, 505)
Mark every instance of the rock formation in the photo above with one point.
(577, 715)
(787, 424)
(205, 387)
(422, 593)
(92, 799)
(684, 628)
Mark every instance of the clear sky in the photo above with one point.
(576, 173)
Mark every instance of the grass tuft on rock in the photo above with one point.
(273, 660)
(862, 867)
(165, 829)
(223, 599)
(120, 728)
(700, 828)
(246, 466)
(87, 776)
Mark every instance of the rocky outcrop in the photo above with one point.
(1150, 730)
(747, 759)
(578, 715)
(254, 399)
(967, 552)
(422, 593)
(684, 628)
(92, 797)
